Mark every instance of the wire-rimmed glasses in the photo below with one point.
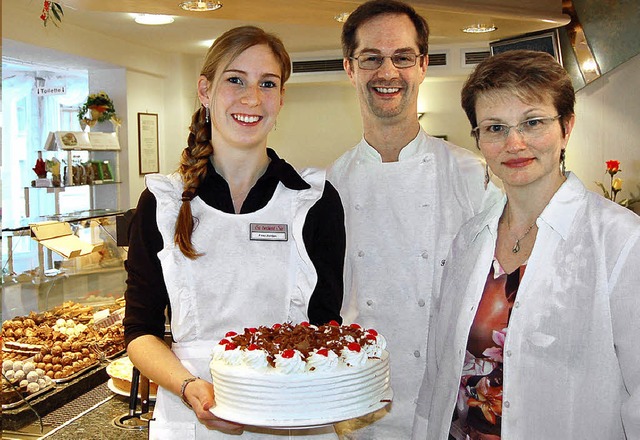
(494, 133)
(372, 61)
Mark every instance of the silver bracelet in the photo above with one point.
(186, 382)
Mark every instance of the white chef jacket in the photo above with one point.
(241, 280)
(572, 351)
(400, 220)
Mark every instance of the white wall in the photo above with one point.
(319, 122)
(608, 127)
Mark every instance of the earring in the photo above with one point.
(563, 169)
(486, 175)
(206, 113)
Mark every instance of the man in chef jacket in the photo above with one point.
(405, 195)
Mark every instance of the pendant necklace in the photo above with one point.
(516, 246)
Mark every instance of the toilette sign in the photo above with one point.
(48, 91)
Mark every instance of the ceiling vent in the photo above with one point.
(437, 59)
(317, 66)
(473, 57)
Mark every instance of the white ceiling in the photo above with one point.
(306, 26)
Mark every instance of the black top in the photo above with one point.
(323, 235)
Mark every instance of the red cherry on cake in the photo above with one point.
(276, 326)
(305, 324)
(354, 346)
(334, 323)
(230, 346)
(354, 325)
(372, 332)
(223, 341)
(252, 347)
(252, 330)
(371, 337)
(230, 334)
(288, 353)
(323, 352)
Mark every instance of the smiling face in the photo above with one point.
(387, 93)
(518, 161)
(245, 99)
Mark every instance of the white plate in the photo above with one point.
(117, 390)
(300, 423)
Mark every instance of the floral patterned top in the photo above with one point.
(479, 404)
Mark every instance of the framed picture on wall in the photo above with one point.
(148, 156)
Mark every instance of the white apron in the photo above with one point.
(401, 218)
(254, 271)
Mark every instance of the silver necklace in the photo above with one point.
(516, 246)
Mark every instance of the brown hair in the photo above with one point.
(529, 75)
(195, 158)
(373, 8)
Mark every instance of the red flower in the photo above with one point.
(613, 166)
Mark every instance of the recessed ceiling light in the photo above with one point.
(152, 19)
(342, 17)
(479, 28)
(200, 6)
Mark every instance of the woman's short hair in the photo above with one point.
(373, 8)
(529, 75)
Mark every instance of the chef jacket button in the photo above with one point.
(420, 303)
(517, 304)
(472, 307)
(506, 404)
(416, 353)
(425, 255)
(357, 207)
(425, 205)
(508, 353)
(369, 302)
(360, 253)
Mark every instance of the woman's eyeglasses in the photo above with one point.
(491, 133)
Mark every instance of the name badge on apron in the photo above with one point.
(268, 232)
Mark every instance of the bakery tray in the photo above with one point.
(78, 373)
(26, 398)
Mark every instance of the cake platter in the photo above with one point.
(256, 420)
(117, 390)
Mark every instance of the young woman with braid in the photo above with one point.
(235, 238)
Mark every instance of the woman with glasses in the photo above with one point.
(538, 318)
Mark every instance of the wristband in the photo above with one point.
(186, 382)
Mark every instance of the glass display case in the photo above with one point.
(88, 269)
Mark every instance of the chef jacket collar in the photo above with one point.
(558, 214)
(407, 152)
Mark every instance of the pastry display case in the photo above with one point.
(63, 282)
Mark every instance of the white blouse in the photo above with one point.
(572, 351)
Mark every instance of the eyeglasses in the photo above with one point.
(497, 133)
(372, 61)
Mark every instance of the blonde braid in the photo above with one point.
(193, 169)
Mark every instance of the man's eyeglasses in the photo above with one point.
(489, 133)
(372, 61)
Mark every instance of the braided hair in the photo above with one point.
(194, 159)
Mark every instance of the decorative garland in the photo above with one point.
(51, 11)
(97, 108)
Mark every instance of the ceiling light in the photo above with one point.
(479, 28)
(342, 17)
(200, 6)
(152, 19)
